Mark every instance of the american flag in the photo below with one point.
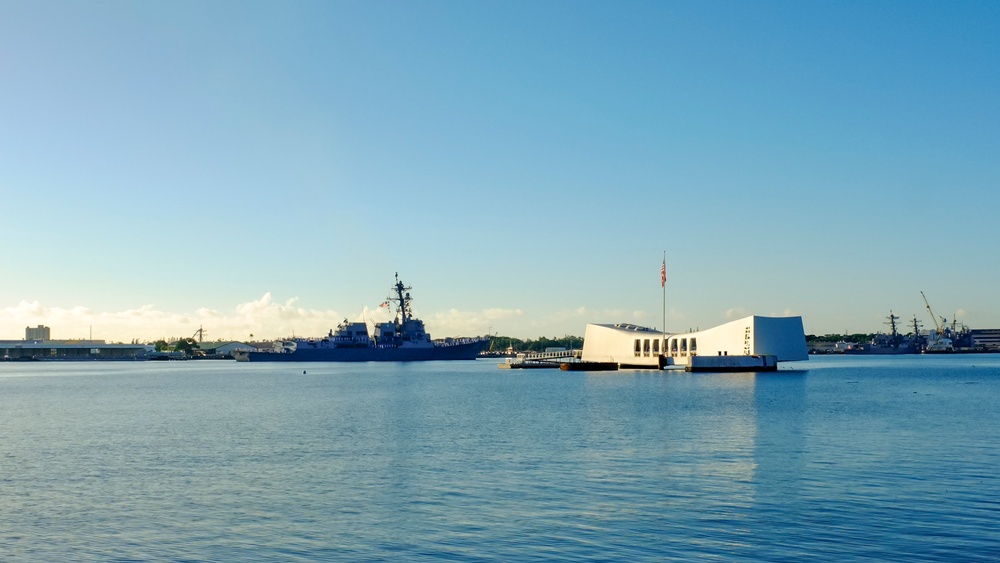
(663, 273)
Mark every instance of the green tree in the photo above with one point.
(856, 338)
(502, 343)
(186, 345)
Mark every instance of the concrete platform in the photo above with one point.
(732, 363)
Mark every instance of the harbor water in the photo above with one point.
(836, 458)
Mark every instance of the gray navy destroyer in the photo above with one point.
(403, 339)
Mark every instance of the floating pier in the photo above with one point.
(528, 365)
(589, 366)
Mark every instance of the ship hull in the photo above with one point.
(876, 351)
(464, 351)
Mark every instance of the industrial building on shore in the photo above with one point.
(37, 345)
(26, 350)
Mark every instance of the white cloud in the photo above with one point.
(736, 313)
(264, 318)
(574, 321)
(468, 323)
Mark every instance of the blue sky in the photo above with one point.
(266, 167)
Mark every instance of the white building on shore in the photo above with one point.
(41, 332)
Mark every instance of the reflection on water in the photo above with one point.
(780, 401)
(843, 458)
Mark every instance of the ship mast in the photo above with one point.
(892, 324)
(893, 333)
(402, 300)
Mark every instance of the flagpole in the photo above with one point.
(663, 284)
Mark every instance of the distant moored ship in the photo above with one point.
(403, 339)
(893, 343)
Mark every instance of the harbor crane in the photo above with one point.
(934, 318)
(200, 333)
